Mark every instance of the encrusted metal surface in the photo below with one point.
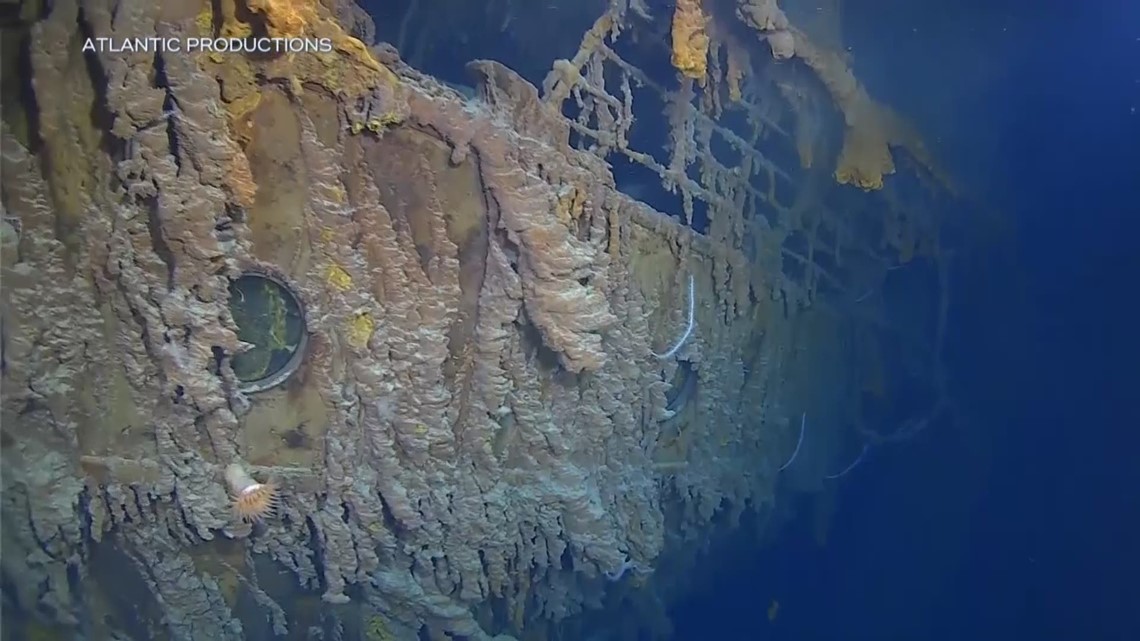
(481, 439)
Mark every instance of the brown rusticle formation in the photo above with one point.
(480, 440)
(870, 128)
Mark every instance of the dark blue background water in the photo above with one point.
(1024, 522)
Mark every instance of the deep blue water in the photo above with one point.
(1024, 521)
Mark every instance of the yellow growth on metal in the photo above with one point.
(690, 42)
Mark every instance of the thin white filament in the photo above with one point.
(688, 330)
(858, 460)
(803, 421)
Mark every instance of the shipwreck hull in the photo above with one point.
(466, 359)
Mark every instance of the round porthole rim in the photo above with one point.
(298, 356)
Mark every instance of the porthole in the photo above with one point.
(270, 317)
(683, 388)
